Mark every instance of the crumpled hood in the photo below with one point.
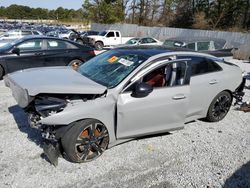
(58, 80)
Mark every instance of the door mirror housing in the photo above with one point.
(16, 51)
(142, 90)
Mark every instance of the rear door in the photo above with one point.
(206, 82)
(60, 52)
(31, 55)
(162, 110)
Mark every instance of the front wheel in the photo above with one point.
(75, 64)
(85, 141)
(99, 45)
(219, 107)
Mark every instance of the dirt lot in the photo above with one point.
(201, 155)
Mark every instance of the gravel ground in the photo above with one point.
(201, 155)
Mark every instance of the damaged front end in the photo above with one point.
(44, 106)
(239, 93)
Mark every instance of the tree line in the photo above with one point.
(200, 14)
(25, 12)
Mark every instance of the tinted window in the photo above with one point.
(147, 40)
(31, 45)
(26, 33)
(191, 46)
(35, 33)
(57, 44)
(202, 46)
(111, 34)
(218, 45)
(202, 66)
(117, 34)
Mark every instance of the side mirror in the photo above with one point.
(16, 51)
(142, 90)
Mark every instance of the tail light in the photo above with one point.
(92, 52)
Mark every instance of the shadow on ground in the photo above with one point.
(240, 179)
(22, 124)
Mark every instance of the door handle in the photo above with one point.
(178, 97)
(213, 82)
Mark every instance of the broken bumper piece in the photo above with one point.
(52, 152)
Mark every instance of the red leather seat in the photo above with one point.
(157, 80)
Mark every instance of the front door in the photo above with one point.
(164, 109)
(31, 55)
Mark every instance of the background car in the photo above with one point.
(214, 46)
(12, 35)
(123, 94)
(42, 51)
(143, 41)
(18, 33)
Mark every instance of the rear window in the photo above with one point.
(203, 46)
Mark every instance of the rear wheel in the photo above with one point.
(219, 107)
(75, 64)
(1, 72)
(99, 45)
(85, 141)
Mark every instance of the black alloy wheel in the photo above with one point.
(219, 107)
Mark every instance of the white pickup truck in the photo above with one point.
(108, 38)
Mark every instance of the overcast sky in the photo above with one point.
(49, 4)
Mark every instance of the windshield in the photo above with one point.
(102, 33)
(110, 68)
(9, 45)
(132, 41)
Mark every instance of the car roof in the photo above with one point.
(150, 50)
(158, 51)
(196, 39)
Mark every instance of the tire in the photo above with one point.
(1, 72)
(219, 107)
(75, 64)
(79, 41)
(85, 141)
(99, 45)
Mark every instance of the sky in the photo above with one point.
(49, 4)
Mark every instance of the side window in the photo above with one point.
(191, 46)
(150, 40)
(143, 41)
(203, 46)
(202, 66)
(31, 45)
(35, 33)
(218, 45)
(58, 44)
(26, 33)
(111, 34)
(172, 74)
(117, 34)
